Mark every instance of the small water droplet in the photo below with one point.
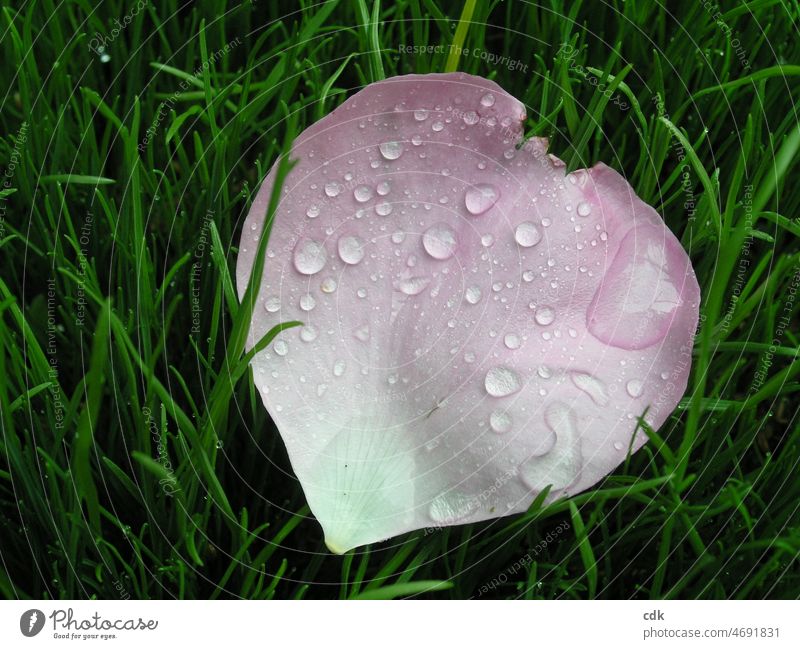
(339, 367)
(383, 188)
(635, 388)
(471, 118)
(312, 212)
(309, 256)
(473, 294)
(351, 249)
(437, 126)
(362, 193)
(307, 302)
(280, 347)
(308, 333)
(362, 333)
(479, 198)
(584, 209)
(332, 189)
(544, 315)
(391, 150)
(328, 285)
(272, 304)
(511, 341)
(500, 421)
(501, 382)
(487, 100)
(383, 208)
(421, 115)
(412, 285)
(439, 241)
(527, 234)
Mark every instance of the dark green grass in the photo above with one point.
(98, 360)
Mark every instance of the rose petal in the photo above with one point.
(477, 325)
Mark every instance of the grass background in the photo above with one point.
(136, 459)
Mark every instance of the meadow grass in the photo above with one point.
(137, 460)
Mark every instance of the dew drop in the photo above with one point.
(309, 256)
(391, 150)
(307, 302)
(501, 382)
(634, 388)
(592, 386)
(362, 193)
(487, 100)
(383, 188)
(450, 507)
(412, 285)
(473, 294)
(272, 304)
(383, 208)
(421, 115)
(339, 367)
(584, 209)
(471, 118)
(308, 333)
(527, 234)
(500, 421)
(437, 126)
(328, 285)
(439, 241)
(511, 341)
(332, 189)
(362, 333)
(312, 212)
(351, 249)
(280, 347)
(479, 198)
(544, 315)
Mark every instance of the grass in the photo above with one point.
(136, 458)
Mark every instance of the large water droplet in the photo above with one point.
(421, 115)
(473, 294)
(527, 234)
(391, 150)
(501, 382)
(412, 285)
(439, 241)
(511, 341)
(362, 193)
(500, 421)
(451, 507)
(272, 304)
(479, 198)
(351, 249)
(307, 302)
(384, 208)
(584, 209)
(312, 212)
(328, 285)
(635, 388)
(309, 256)
(487, 100)
(308, 333)
(544, 315)
(558, 461)
(592, 386)
(332, 189)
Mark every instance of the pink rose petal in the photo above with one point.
(477, 325)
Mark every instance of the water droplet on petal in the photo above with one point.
(362, 193)
(307, 302)
(309, 256)
(450, 507)
(471, 118)
(527, 234)
(272, 304)
(473, 294)
(383, 208)
(439, 241)
(421, 115)
(312, 212)
(511, 341)
(584, 209)
(500, 421)
(635, 388)
(339, 367)
(437, 126)
(280, 347)
(592, 386)
(328, 285)
(332, 189)
(544, 315)
(391, 150)
(501, 382)
(479, 198)
(362, 333)
(487, 100)
(383, 188)
(351, 249)
(412, 285)
(308, 333)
